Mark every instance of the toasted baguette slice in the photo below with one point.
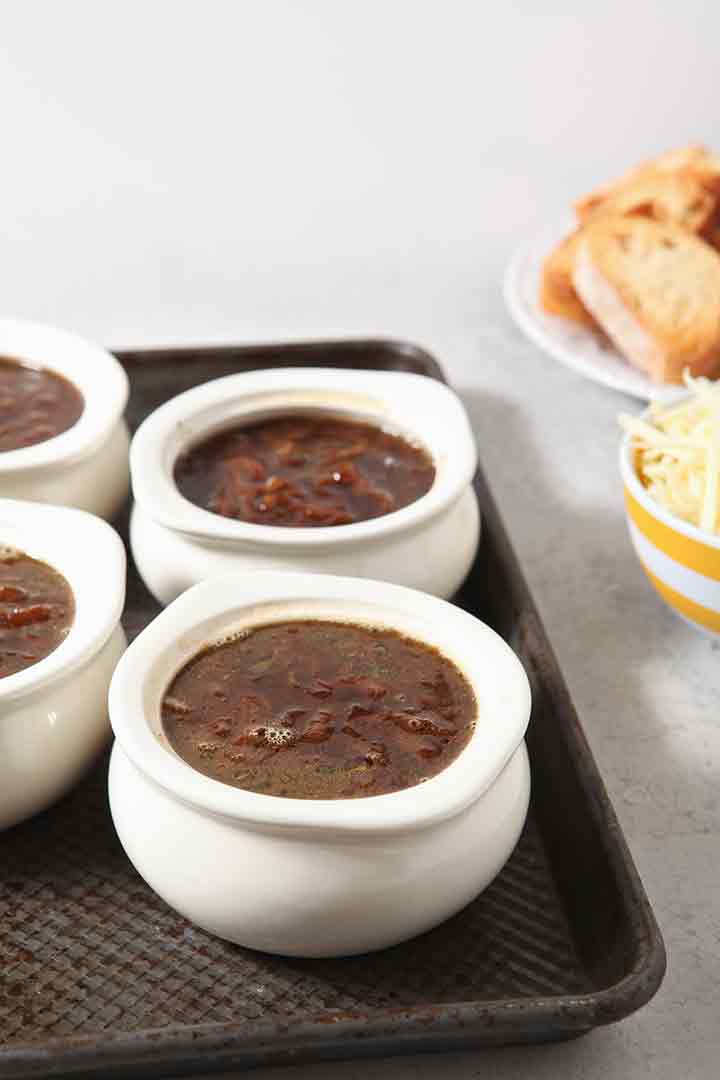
(694, 160)
(676, 198)
(655, 290)
(557, 292)
(712, 233)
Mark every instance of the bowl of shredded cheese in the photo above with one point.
(670, 465)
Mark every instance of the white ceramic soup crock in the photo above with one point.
(87, 465)
(428, 545)
(304, 877)
(53, 715)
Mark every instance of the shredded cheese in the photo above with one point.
(677, 453)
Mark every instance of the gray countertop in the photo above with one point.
(179, 172)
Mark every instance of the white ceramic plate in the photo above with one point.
(573, 345)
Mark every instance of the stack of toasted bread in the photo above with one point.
(643, 265)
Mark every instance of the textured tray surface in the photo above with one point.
(88, 948)
(99, 977)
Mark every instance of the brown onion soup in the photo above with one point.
(35, 404)
(37, 609)
(304, 471)
(319, 710)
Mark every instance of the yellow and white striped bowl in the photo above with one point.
(682, 561)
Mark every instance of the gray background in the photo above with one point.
(179, 172)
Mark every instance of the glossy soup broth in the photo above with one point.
(319, 710)
(304, 471)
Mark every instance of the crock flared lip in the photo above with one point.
(95, 372)
(47, 527)
(633, 484)
(425, 409)
(496, 674)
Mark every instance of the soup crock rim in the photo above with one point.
(47, 526)
(174, 636)
(401, 396)
(95, 372)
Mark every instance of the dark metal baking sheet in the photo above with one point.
(99, 977)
